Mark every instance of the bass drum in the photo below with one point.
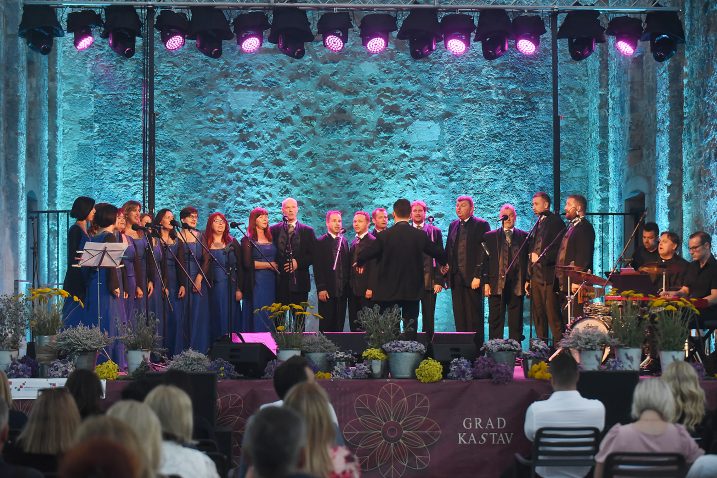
(586, 323)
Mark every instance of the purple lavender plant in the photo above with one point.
(460, 369)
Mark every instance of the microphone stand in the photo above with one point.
(627, 244)
(532, 229)
(236, 226)
(193, 256)
(338, 249)
(290, 249)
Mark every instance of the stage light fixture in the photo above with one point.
(249, 30)
(583, 31)
(334, 29)
(290, 30)
(493, 31)
(627, 32)
(526, 32)
(122, 27)
(664, 31)
(209, 27)
(39, 27)
(81, 25)
(456, 30)
(173, 28)
(422, 31)
(375, 30)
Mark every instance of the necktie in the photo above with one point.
(292, 227)
(509, 236)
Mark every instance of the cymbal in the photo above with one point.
(587, 278)
(659, 268)
(567, 267)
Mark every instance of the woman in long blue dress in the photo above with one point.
(83, 211)
(223, 267)
(197, 306)
(136, 274)
(260, 276)
(125, 276)
(172, 264)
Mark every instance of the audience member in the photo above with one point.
(100, 458)
(703, 467)
(653, 406)
(174, 410)
(5, 468)
(564, 408)
(690, 401)
(145, 424)
(17, 419)
(138, 389)
(86, 388)
(323, 458)
(48, 433)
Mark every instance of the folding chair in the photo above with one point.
(653, 465)
(563, 446)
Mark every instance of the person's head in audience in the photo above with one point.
(86, 388)
(5, 393)
(564, 372)
(100, 458)
(174, 410)
(138, 389)
(275, 438)
(310, 401)
(687, 392)
(293, 371)
(52, 423)
(4, 427)
(145, 424)
(653, 395)
(112, 428)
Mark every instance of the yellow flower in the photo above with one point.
(323, 375)
(107, 371)
(280, 328)
(429, 370)
(671, 308)
(63, 293)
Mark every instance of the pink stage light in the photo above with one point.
(84, 42)
(456, 46)
(526, 47)
(625, 47)
(376, 45)
(251, 44)
(334, 43)
(175, 42)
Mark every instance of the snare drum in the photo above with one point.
(586, 323)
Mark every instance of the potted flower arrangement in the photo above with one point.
(502, 350)
(628, 331)
(190, 361)
(317, 347)
(590, 343)
(139, 337)
(46, 321)
(83, 344)
(13, 322)
(288, 326)
(376, 359)
(538, 351)
(380, 328)
(672, 318)
(404, 357)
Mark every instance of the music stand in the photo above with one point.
(101, 254)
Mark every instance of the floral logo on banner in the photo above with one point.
(229, 410)
(392, 431)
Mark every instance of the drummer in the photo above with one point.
(668, 273)
(701, 278)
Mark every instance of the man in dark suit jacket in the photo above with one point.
(294, 255)
(505, 271)
(400, 250)
(576, 249)
(433, 280)
(464, 255)
(380, 220)
(5, 468)
(543, 245)
(332, 273)
(363, 279)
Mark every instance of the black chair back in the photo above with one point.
(565, 446)
(653, 465)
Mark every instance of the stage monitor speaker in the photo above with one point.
(450, 345)
(613, 389)
(249, 359)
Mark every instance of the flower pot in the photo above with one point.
(6, 357)
(86, 360)
(404, 364)
(669, 356)
(45, 351)
(378, 368)
(528, 363)
(504, 356)
(284, 355)
(590, 359)
(320, 359)
(630, 357)
(135, 357)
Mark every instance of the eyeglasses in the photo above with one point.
(694, 248)
(218, 221)
(193, 216)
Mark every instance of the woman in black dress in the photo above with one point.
(83, 211)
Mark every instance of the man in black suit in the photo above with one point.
(505, 271)
(542, 247)
(294, 243)
(648, 253)
(332, 273)
(400, 250)
(380, 220)
(464, 254)
(363, 279)
(433, 280)
(5, 468)
(576, 249)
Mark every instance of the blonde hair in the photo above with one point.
(52, 423)
(5, 393)
(653, 394)
(310, 401)
(145, 424)
(174, 410)
(689, 396)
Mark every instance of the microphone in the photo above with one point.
(234, 224)
(342, 231)
(187, 226)
(174, 223)
(285, 219)
(485, 248)
(148, 227)
(430, 219)
(503, 218)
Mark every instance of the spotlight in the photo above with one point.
(334, 27)
(81, 24)
(627, 32)
(375, 29)
(173, 28)
(249, 30)
(209, 27)
(456, 30)
(39, 26)
(526, 32)
(122, 26)
(421, 30)
(290, 30)
(583, 30)
(494, 30)
(664, 30)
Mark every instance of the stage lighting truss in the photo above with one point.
(493, 31)
(664, 31)
(209, 27)
(122, 27)
(456, 30)
(39, 27)
(249, 30)
(582, 30)
(422, 31)
(375, 31)
(81, 25)
(290, 30)
(173, 29)
(527, 31)
(334, 30)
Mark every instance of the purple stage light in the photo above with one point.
(376, 45)
(84, 42)
(174, 42)
(456, 46)
(624, 47)
(251, 44)
(334, 43)
(526, 47)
